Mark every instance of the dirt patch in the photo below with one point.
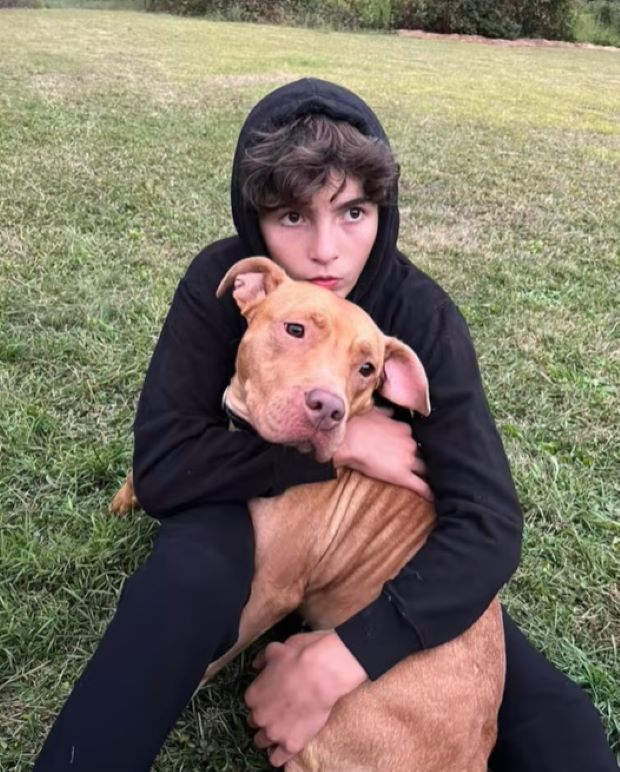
(499, 42)
(57, 88)
(438, 238)
(69, 88)
(248, 79)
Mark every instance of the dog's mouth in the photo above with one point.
(322, 443)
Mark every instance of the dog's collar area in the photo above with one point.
(236, 422)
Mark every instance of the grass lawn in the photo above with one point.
(116, 136)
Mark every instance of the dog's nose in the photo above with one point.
(324, 409)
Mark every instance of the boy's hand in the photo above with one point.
(383, 448)
(299, 683)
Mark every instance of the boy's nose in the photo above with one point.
(323, 248)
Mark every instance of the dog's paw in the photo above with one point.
(124, 501)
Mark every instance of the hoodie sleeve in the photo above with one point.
(475, 546)
(184, 454)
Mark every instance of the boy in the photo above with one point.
(314, 186)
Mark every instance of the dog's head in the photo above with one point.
(310, 360)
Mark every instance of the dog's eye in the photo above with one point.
(367, 369)
(294, 329)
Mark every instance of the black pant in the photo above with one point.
(181, 610)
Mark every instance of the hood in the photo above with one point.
(285, 104)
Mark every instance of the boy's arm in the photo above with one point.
(184, 453)
(475, 546)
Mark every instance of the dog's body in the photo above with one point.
(330, 547)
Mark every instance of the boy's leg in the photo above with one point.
(546, 722)
(177, 613)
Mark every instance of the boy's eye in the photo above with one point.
(367, 369)
(291, 218)
(355, 213)
(294, 329)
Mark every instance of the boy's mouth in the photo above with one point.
(329, 282)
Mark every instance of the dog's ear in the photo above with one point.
(252, 280)
(404, 380)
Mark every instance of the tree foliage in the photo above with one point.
(492, 18)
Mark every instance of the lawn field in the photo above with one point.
(116, 136)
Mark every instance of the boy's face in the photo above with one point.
(326, 241)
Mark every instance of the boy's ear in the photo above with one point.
(252, 280)
(404, 380)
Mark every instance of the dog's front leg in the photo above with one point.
(260, 615)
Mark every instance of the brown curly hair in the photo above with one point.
(290, 164)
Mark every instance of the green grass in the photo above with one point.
(116, 136)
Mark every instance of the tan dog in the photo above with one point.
(307, 363)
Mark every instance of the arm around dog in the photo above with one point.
(184, 454)
(475, 546)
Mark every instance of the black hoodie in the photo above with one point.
(185, 458)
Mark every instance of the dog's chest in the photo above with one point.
(340, 540)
